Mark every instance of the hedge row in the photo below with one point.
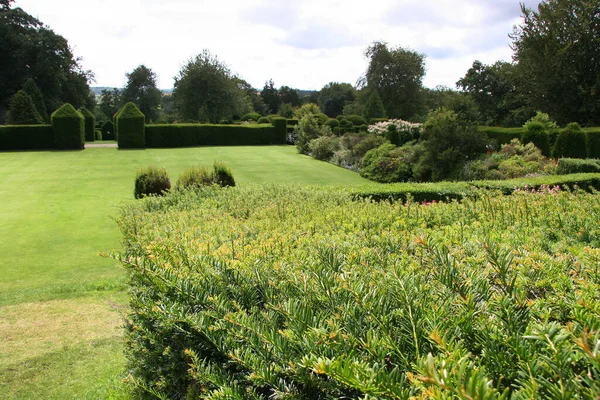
(443, 191)
(188, 135)
(26, 137)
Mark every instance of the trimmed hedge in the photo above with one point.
(263, 120)
(571, 142)
(443, 191)
(577, 165)
(90, 123)
(98, 134)
(188, 135)
(26, 137)
(356, 120)
(593, 142)
(108, 131)
(536, 133)
(130, 125)
(69, 128)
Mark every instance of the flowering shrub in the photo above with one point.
(381, 128)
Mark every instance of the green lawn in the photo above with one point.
(56, 217)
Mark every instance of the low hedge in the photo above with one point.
(188, 135)
(500, 135)
(577, 165)
(26, 137)
(443, 191)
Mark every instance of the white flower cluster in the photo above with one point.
(380, 128)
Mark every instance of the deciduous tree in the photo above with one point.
(142, 91)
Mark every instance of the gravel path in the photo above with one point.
(92, 145)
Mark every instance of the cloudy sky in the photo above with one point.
(299, 43)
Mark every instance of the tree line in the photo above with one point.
(555, 69)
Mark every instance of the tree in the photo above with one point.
(142, 91)
(22, 110)
(207, 91)
(271, 97)
(289, 95)
(557, 49)
(397, 76)
(28, 49)
(256, 102)
(38, 99)
(374, 107)
(110, 102)
(334, 96)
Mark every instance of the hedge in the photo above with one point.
(188, 135)
(443, 191)
(69, 128)
(130, 127)
(502, 136)
(26, 137)
(90, 122)
(577, 165)
(108, 131)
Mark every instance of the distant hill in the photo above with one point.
(97, 90)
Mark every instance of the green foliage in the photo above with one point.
(388, 163)
(571, 142)
(263, 120)
(188, 135)
(356, 120)
(374, 108)
(34, 92)
(110, 102)
(334, 96)
(323, 147)
(333, 123)
(251, 117)
(286, 110)
(499, 136)
(289, 96)
(98, 134)
(142, 91)
(309, 108)
(108, 131)
(447, 144)
(69, 128)
(346, 126)
(541, 118)
(193, 178)
(26, 137)
(353, 147)
(270, 96)
(593, 143)
(206, 91)
(309, 128)
(130, 127)
(151, 181)
(249, 293)
(536, 133)
(90, 124)
(222, 175)
(22, 110)
(577, 165)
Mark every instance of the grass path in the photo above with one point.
(60, 301)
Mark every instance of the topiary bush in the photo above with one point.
(253, 116)
(264, 120)
(571, 142)
(536, 133)
(577, 165)
(194, 177)
(98, 134)
(22, 110)
(321, 118)
(108, 131)
(356, 120)
(131, 127)
(222, 175)
(90, 123)
(333, 123)
(69, 128)
(346, 126)
(151, 181)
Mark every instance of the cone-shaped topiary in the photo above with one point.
(34, 91)
(22, 110)
(90, 123)
(108, 131)
(130, 127)
(69, 128)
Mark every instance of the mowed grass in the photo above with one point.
(60, 302)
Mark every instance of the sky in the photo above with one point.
(303, 44)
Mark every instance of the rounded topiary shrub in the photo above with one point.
(222, 175)
(68, 126)
(108, 131)
(253, 116)
(90, 122)
(151, 181)
(356, 120)
(264, 120)
(194, 177)
(333, 123)
(131, 127)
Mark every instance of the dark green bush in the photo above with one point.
(26, 137)
(376, 120)
(571, 142)
(593, 143)
(388, 163)
(264, 120)
(346, 126)
(251, 117)
(577, 165)
(292, 122)
(131, 127)
(536, 133)
(22, 111)
(108, 131)
(333, 123)
(69, 128)
(222, 175)
(322, 118)
(499, 136)
(280, 125)
(194, 177)
(90, 123)
(339, 117)
(356, 120)
(32, 89)
(98, 134)
(151, 181)
(189, 135)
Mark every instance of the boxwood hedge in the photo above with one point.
(69, 128)
(26, 137)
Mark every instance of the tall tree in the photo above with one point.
(206, 90)
(28, 49)
(110, 102)
(142, 91)
(557, 48)
(289, 95)
(397, 75)
(334, 96)
(270, 96)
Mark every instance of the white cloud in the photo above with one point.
(299, 43)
